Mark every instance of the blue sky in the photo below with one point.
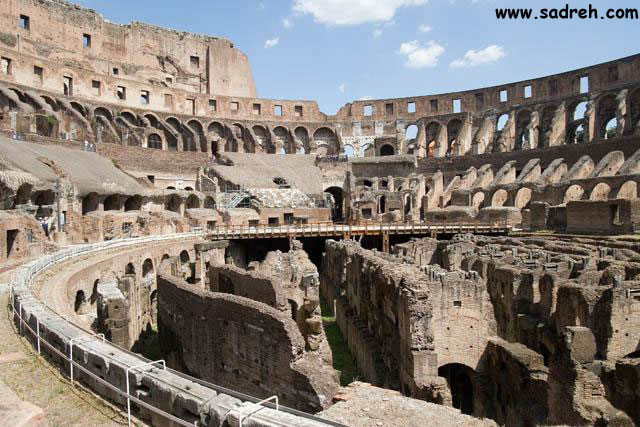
(336, 51)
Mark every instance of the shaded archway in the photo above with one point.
(193, 202)
(453, 131)
(209, 203)
(90, 203)
(387, 150)
(337, 209)
(147, 268)
(326, 141)
(173, 203)
(154, 141)
(184, 257)
(129, 269)
(460, 380)
(133, 203)
(112, 203)
(606, 114)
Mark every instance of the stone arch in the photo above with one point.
(301, 135)
(600, 192)
(130, 269)
(499, 198)
(173, 203)
(23, 195)
(147, 268)
(216, 129)
(546, 121)
(129, 117)
(453, 131)
(523, 118)
(43, 198)
(209, 202)
(52, 102)
(326, 141)
(411, 132)
(46, 125)
(477, 200)
(338, 197)
(262, 141)
(387, 150)
(193, 202)
(502, 122)
(282, 142)
(133, 203)
(90, 203)
(577, 110)
(628, 190)
(112, 203)
(153, 120)
(574, 192)
(523, 197)
(431, 134)
(79, 108)
(184, 257)
(237, 138)
(606, 113)
(576, 134)
(154, 141)
(198, 130)
(460, 379)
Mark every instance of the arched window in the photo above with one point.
(154, 141)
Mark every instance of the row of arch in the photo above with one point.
(117, 202)
(523, 196)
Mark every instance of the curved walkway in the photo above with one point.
(155, 393)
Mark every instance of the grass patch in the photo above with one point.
(343, 361)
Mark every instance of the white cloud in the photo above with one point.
(473, 58)
(419, 56)
(366, 98)
(342, 88)
(424, 28)
(286, 23)
(271, 43)
(352, 12)
(377, 33)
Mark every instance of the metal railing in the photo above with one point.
(19, 295)
(355, 228)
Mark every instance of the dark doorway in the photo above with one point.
(12, 235)
(459, 380)
(337, 211)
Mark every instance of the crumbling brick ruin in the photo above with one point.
(525, 330)
(484, 272)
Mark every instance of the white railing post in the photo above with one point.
(245, 412)
(131, 368)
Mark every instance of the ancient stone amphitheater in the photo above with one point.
(190, 254)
